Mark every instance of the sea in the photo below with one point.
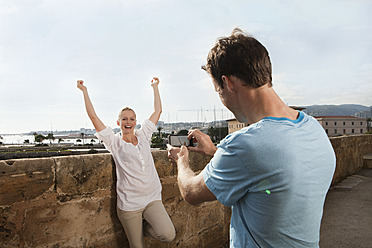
(21, 139)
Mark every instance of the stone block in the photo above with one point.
(78, 223)
(198, 161)
(162, 164)
(25, 179)
(8, 232)
(166, 169)
(84, 174)
(206, 216)
(367, 161)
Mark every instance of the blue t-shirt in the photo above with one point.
(274, 175)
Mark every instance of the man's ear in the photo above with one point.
(230, 85)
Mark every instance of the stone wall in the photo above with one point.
(71, 201)
(349, 152)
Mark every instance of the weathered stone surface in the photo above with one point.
(25, 179)
(162, 164)
(7, 227)
(367, 161)
(84, 174)
(165, 168)
(349, 152)
(198, 161)
(81, 212)
(80, 223)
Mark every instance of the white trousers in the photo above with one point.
(152, 221)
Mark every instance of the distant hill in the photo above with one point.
(344, 109)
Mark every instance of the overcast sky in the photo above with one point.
(320, 51)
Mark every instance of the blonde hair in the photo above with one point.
(124, 109)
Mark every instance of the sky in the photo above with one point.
(320, 52)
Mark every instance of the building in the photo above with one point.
(342, 125)
(235, 125)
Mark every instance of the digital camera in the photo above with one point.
(179, 140)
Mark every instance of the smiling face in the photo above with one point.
(127, 121)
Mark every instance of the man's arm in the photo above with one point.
(97, 123)
(192, 187)
(155, 116)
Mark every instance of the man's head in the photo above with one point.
(241, 56)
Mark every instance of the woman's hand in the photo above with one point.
(80, 85)
(155, 81)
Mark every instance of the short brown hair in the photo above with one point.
(242, 56)
(124, 109)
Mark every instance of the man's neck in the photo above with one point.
(262, 102)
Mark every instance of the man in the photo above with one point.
(275, 173)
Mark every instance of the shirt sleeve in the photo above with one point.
(226, 176)
(108, 137)
(147, 129)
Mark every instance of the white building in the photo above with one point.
(342, 125)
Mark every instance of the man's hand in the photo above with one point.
(175, 154)
(203, 142)
(192, 186)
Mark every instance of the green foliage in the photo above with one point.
(217, 133)
(183, 132)
(157, 141)
(159, 131)
(39, 138)
(50, 136)
(40, 144)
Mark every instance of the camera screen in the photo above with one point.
(175, 140)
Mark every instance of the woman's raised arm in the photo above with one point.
(155, 116)
(97, 123)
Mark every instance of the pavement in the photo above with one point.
(347, 217)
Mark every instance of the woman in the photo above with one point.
(139, 205)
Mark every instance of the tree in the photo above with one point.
(159, 129)
(183, 132)
(50, 137)
(82, 137)
(156, 142)
(39, 138)
(217, 133)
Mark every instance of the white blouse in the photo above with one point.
(138, 182)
